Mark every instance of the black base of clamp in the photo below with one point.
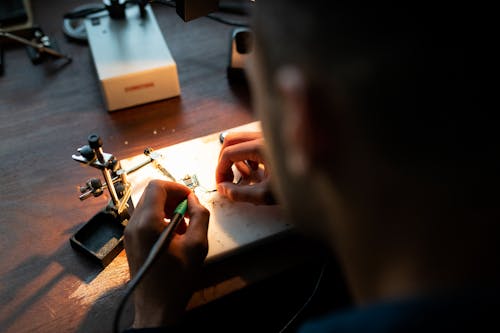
(101, 238)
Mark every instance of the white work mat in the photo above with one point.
(232, 225)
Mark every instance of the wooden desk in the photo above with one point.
(45, 114)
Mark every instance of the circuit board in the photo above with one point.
(233, 225)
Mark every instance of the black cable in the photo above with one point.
(164, 2)
(227, 22)
(77, 14)
(164, 240)
(320, 277)
(83, 13)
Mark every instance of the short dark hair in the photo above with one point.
(407, 71)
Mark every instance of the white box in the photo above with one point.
(132, 59)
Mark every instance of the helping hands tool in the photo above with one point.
(102, 236)
(41, 47)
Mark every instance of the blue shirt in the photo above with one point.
(471, 311)
(458, 311)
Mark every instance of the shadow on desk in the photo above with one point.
(264, 305)
(34, 278)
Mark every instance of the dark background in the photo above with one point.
(46, 112)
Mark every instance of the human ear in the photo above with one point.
(295, 125)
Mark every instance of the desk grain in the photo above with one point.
(46, 112)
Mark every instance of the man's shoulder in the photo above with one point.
(460, 311)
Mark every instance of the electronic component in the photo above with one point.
(191, 181)
(154, 156)
(134, 65)
(39, 46)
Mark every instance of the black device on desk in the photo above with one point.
(16, 27)
(12, 12)
(241, 45)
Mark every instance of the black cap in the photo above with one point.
(95, 141)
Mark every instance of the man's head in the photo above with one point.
(373, 110)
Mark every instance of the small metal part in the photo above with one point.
(85, 195)
(87, 152)
(93, 187)
(148, 151)
(120, 188)
(95, 142)
(92, 161)
(154, 158)
(95, 183)
(135, 167)
(164, 171)
(222, 136)
(191, 181)
(123, 203)
(111, 188)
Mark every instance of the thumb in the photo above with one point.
(256, 193)
(198, 218)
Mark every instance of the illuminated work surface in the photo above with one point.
(45, 285)
(233, 225)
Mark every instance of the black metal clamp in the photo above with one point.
(101, 237)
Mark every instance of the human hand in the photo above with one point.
(244, 150)
(161, 297)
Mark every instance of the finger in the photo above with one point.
(243, 168)
(157, 202)
(150, 209)
(249, 150)
(238, 137)
(198, 219)
(247, 167)
(253, 165)
(175, 194)
(257, 193)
